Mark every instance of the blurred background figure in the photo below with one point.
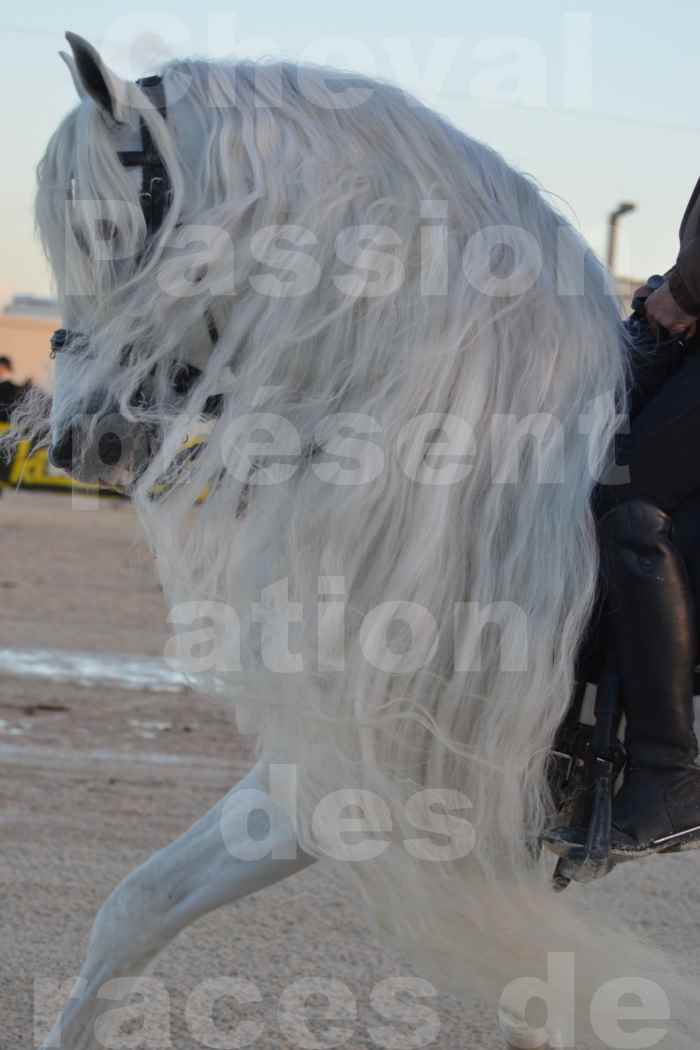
(10, 392)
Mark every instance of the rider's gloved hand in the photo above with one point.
(642, 294)
(656, 353)
(663, 311)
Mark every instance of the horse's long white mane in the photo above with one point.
(448, 539)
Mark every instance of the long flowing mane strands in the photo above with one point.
(277, 149)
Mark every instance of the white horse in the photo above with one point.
(404, 369)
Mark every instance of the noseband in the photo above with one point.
(155, 197)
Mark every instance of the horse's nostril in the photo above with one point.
(61, 452)
(110, 449)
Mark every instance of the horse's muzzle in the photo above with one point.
(65, 454)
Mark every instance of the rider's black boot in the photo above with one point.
(652, 621)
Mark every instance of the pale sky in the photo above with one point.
(596, 100)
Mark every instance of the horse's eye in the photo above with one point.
(105, 230)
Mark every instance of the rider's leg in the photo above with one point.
(650, 612)
(663, 438)
(652, 622)
(652, 617)
(686, 536)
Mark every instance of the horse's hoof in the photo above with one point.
(518, 1033)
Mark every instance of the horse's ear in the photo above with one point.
(75, 76)
(92, 77)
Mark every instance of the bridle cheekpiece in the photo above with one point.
(156, 192)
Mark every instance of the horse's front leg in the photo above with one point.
(207, 867)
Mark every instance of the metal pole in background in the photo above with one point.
(622, 209)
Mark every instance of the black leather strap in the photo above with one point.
(155, 183)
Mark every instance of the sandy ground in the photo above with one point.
(93, 781)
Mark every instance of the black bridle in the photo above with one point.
(156, 192)
(155, 198)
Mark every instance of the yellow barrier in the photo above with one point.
(32, 470)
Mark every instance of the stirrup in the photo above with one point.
(584, 786)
